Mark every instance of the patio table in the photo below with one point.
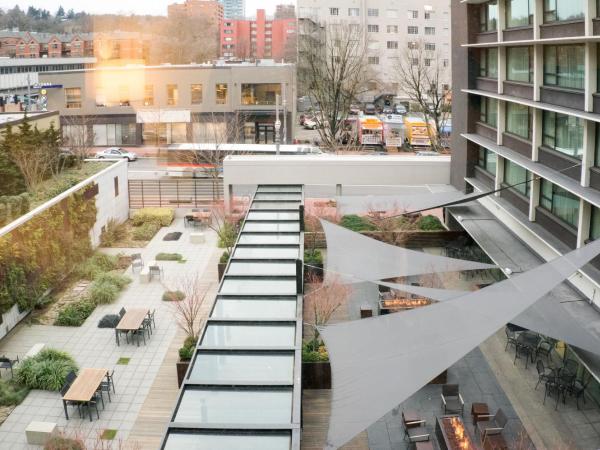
(131, 321)
(84, 387)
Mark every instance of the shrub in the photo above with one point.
(224, 258)
(173, 296)
(430, 223)
(109, 321)
(227, 235)
(161, 216)
(12, 393)
(145, 232)
(74, 314)
(116, 279)
(96, 264)
(187, 350)
(169, 257)
(47, 370)
(103, 292)
(114, 231)
(313, 256)
(61, 442)
(356, 223)
(314, 352)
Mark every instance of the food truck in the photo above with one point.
(370, 131)
(393, 130)
(416, 131)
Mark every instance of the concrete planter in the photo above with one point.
(221, 269)
(316, 375)
(182, 367)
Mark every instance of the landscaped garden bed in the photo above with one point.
(139, 230)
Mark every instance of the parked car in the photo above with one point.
(388, 110)
(370, 109)
(399, 109)
(354, 110)
(427, 153)
(116, 152)
(310, 123)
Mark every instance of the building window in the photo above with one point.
(413, 14)
(428, 64)
(559, 202)
(392, 44)
(116, 185)
(172, 94)
(124, 95)
(372, 12)
(488, 17)
(114, 134)
(489, 111)
(519, 64)
(392, 28)
(260, 93)
(373, 28)
(427, 15)
(564, 66)
(73, 97)
(196, 94)
(595, 224)
(353, 12)
(563, 133)
(373, 60)
(148, 95)
(518, 120)
(334, 11)
(430, 46)
(517, 177)
(412, 45)
(563, 10)
(519, 13)
(429, 31)
(221, 93)
(392, 13)
(413, 30)
(488, 63)
(487, 160)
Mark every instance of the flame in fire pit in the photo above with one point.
(405, 302)
(455, 430)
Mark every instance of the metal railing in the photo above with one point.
(178, 193)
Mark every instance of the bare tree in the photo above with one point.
(323, 301)
(226, 224)
(421, 74)
(78, 136)
(187, 311)
(336, 73)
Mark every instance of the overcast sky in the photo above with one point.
(127, 6)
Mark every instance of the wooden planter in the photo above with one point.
(221, 269)
(440, 379)
(182, 367)
(316, 375)
(313, 273)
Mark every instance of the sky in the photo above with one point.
(156, 7)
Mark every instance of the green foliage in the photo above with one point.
(95, 265)
(160, 216)
(430, 223)
(109, 321)
(145, 231)
(116, 279)
(13, 207)
(313, 256)
(314, 351)
(61, 442)
(356, 223)
(114, 231)
(169, 257)
(47, 370)
(74, 314)
(13, 182)
(224, 259)
(103, 293)
(108, 434)
(187, 350)
(227, 235)
(173, 296)
(123, 361)
(12, 393)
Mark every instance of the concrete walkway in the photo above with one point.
(95, 347)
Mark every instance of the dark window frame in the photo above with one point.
(557, 73)
(552, 209)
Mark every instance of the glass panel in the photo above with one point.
(273, 216)
(492, 63)
(259, 286)
(518, 13)
(260, 93)
(290, 196)
(234, 406)
(275, 205)
(246, 238)
(518, 64)
(518, 120)
(254, 309)
(249, 336)
(563, 133)
(266, 227)
(236, 368)
(266, 253)
(560, 203)
(561, 10)
(595, 224)
(490, 162)
(515, 174)
(279, 189)
(189, 441)
(261, 268)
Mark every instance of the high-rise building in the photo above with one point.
(259, 38)
(209, 9)
(285, 12)
(525, 114)
(390, 27)
(234, 9)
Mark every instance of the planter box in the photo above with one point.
(313, 273)
(182, 367)
(440, 379)
(316, 375)
(221, 269)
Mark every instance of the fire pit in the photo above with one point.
(452, 434)
(401, 304)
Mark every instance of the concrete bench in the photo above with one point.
(34, 350)
(145, 275)
(38, 433)
(197, 238)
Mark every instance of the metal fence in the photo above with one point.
(177, 193)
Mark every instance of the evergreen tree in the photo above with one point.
(60, 13)
(13, 182)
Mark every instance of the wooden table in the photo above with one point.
(131, 321)
(479, 409)
(84, 387)
(411, 418)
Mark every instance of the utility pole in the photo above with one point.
(277, 125)
(28, 92)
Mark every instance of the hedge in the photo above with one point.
(145, 231)
(47, 370)
(74, 314)
(161, 216)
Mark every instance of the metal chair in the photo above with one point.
(415, 431)
(93, 402)
(491, 424)
(552, 387)
(122, 312)
(147, 325)
(523, 350)
(452, 401)
(571, 366)
(139, 332)
(71, 376)
(544, 373)
(511, 338)
(151, 317)
(73, 403)
(544, 349)
(136, 261)
(578, 388)
(7, 363)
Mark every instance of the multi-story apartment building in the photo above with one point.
(157, 105)
(234, 9)
(259, 38)
(525, 114)
(210, 9)
(390, 27)
(285, 12)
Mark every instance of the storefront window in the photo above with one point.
(73, 97)
(489, 111)
(560, 203)
(487, 160)
(172, 94)
(260, 93)
(563, 133)
(516, 176)
(488, 16)
(564, 66)
(488, 63)
(114, 134)
(563, 10)
(519, 13)
(518, 120)
(148, 95)
(209, 131)
(519, 64)
(196, 94)
(221, 93)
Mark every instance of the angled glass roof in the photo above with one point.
(266, 252)
(196, 441)
(253, 215)
(262, 268)
(233, 406)
(275, 205)
(271, 227)
(265, 188)
(271, 239)
(253, 286)
(275, 197)
(244, 336)
(228, 308)
(242, 368)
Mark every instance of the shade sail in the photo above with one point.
(352, 257)
(379, 362)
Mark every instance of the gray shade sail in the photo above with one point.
(360, 204)
(352, 257)
(379, 362)
(433, 293)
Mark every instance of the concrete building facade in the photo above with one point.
(159, 105)
(233, 9)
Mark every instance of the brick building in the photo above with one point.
(259, 38)
(210, 9)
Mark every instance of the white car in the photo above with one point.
(116, 152)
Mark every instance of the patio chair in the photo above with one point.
(452, 401)
(415, 431)
(73, 403)
(524, 350)
(578, 388)
(552, 387)
(105, 386)
(7, 363)
(136, 261)
(489, 425)
(110, 378)
(139, 332)
(71, 376)
(93, 402)
(151, 317)
(147, 325)
(571, 366)
(544, 373)
(511, 337)
(155, 270)
(544, 349)
(122, 312)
